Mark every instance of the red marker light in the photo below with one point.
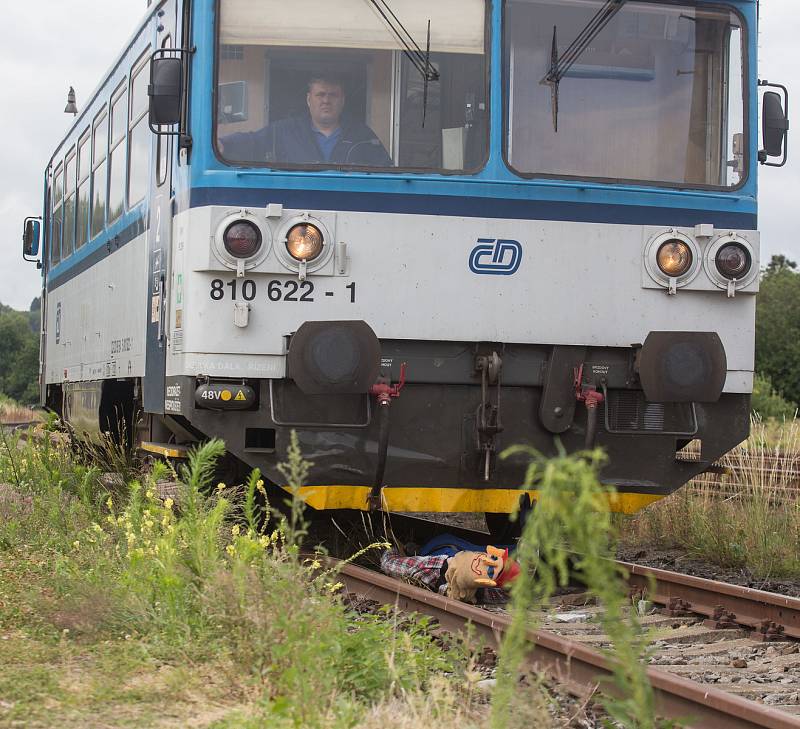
(242, 239)
(733, 261)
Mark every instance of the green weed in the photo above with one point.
(135, 588)
(569, 532)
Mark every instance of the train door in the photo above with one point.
(159, 240)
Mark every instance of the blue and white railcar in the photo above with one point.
(503, 222)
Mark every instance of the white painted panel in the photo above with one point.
(577, 284)
(102, 320)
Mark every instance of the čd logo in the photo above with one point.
(496, 257)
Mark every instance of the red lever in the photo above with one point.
(586, 393)
(385, 391)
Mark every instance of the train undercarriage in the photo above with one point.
(430, 434)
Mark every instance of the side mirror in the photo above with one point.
(30, 239)
(165, 91)
(774, 125)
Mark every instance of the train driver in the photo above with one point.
(326, 135)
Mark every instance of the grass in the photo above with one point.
(123, 609)
(120, 609)
(13, 412)
(749, 519)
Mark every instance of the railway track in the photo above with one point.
(575, 662)
(724, 654)
(12, 427)
(777, 475)
(769, 616)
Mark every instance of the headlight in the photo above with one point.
(674, 258)
(304, 242)
(242, 239)
(733, 261)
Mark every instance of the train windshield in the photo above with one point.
(635, 91)
(395, 84)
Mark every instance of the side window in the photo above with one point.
(99, 172)
(68, 238)
(84, 168)
(141, 138)
(117, 166)
(56, 226)
(163, 143)
(162, 159)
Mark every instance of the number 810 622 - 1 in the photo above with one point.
(276, 290)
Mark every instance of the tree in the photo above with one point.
(768, 403)
(22, 383)
(19, 356)
(779, 263)
(778, 327)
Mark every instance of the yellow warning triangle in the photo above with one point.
(240, 396)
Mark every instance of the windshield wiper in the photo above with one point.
(560, 65)
(421, 60)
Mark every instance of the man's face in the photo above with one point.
(325, 102)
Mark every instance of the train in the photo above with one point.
(415, 234)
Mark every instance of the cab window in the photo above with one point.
(300, 86)
(655, 94)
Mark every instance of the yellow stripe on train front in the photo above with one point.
(417, 498)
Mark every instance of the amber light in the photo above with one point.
(674, 258)
(304, 242)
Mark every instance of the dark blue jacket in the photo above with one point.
(293, 141)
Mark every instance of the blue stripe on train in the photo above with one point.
(471, 207)
(128, 228)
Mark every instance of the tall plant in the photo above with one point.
(570, 532)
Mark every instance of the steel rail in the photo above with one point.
(572, 664)
(20, 424)
(17, 428)
(751, 607)
(764, 472)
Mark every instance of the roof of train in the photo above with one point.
(81, 119)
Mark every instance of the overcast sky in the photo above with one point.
(49, 45)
